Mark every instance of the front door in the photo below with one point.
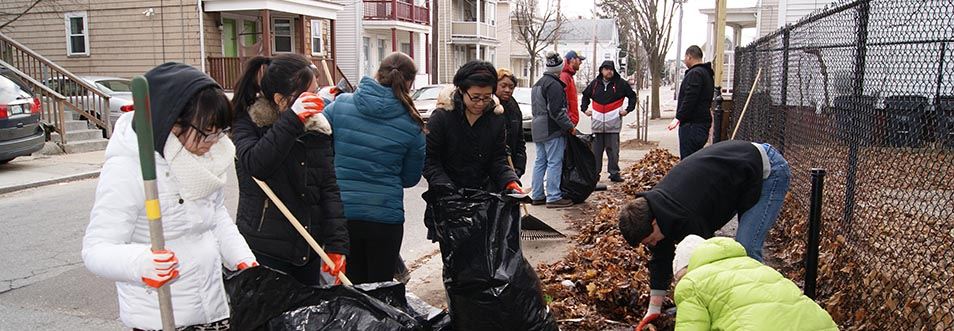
(229, 38)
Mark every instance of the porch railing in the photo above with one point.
(70, 92)
(397, 11)
(227, 71)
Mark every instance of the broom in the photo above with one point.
(531, 227)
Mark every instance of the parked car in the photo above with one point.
(425, 99)
(20, 130)
(522, 95)
(118, 90)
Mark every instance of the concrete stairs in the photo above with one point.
(80, 138)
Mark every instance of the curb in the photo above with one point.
(58, 180)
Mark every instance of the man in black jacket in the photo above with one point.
(549, 128)
(699, 196)
(609, 92)
(695, 96)
(506, 83)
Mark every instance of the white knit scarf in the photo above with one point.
(199, 176)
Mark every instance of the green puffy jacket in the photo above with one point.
(726, 290)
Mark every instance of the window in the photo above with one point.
(282, 28)
(366, 50)
(316, 37)
(383, 50)
(250, 33)
(77, 36)
(406, 48)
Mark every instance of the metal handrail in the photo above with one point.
(58, 100)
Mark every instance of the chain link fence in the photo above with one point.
(865, 90)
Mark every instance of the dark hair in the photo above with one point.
(208, 108)
(695, 52)
(396, 71)
(476, 73)
(636, 221)
(288, 75)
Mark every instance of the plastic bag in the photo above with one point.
(266, 299)
(580, 173)
(489, 284)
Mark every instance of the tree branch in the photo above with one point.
(15, 18)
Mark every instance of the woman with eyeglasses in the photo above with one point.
(466, 144)
(191, 116)
(282, 138)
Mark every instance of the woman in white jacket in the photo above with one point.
(191, 115)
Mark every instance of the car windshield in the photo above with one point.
(427, 93)
(115, 85)
(522, 95)
(10, 91)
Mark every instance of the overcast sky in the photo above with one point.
(694, 22)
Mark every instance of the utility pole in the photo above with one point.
(559, 16)
(679, 52)
(719, 59)
(593, 59)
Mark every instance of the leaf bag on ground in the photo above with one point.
(579, 168)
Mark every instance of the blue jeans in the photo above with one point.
(755, 222)
(549, 162)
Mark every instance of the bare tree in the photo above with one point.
(536, 30)
(14, 10)
(651, 22)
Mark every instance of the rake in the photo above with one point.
(533, 228)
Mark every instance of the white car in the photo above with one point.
(425, 99)
(522, 96)
(118, 90)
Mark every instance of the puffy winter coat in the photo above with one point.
(200, 232)
(379, 151)
(608, 99)
(726, 290)
(695, 95)
(549, 109)
(298, 165)
(569, 88)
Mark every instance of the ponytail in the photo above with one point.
(287, 75)
(396, 71)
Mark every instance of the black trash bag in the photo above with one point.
(579, 168)
(489, 284)
(265, 299)
(395, 295)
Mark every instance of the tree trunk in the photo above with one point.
(655, 71)
(533, 70)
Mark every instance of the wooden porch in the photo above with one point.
(227, 70)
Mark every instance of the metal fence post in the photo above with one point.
(814, 231)
(783, 108)
(717, 114)
(859, 86)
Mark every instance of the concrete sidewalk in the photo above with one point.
(41, 170)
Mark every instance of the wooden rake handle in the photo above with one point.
(301, 229)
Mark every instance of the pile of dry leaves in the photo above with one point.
(603, 281)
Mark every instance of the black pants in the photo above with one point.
(374, 249)
(308, 274)
(692, 137)
(609, 143)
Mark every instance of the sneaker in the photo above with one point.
(538, 202)
(562, 203)
(616, 178)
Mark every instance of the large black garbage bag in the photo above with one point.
(490, 286)
(265, 299)
(579, 168)
(395, 295)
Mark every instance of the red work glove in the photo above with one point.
(159, 268)
(307, 105)
(244, 265)
(513, 186)
(646, 320)
(339, 261)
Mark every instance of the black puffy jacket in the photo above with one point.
(298, 165)
(515, 142)
(466, 156)
(695, 95)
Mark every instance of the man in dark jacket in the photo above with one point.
(695, 96)
(517, 146)
(549, 129)
(608, 91)
(699, 196)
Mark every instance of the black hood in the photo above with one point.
(705, 66)
(171, 86)
(608, 64)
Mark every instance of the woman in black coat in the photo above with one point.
(466, 145)
(281, 138)
(506, 83)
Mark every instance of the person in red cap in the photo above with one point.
(572, 65)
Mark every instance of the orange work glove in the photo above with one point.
(515, 187)
(307, 105)
(339, 261)
(159, 268)
(646, 320)
(245, 265)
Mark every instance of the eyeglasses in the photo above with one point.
(480, 99)
(211, 137)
